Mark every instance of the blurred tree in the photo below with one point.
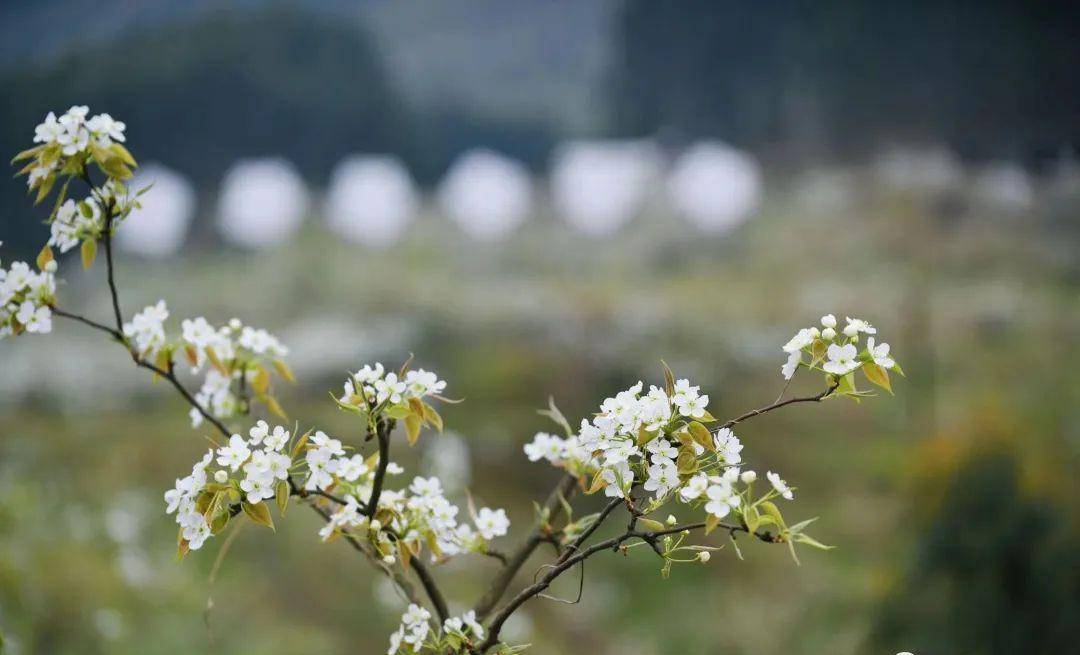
(990, 79)
(234, 83)
(996, 570)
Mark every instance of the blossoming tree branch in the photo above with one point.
(647, 451)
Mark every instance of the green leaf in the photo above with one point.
(261, 382)
(27, 154)
(89, 252)
(669, 378)
(275, 407)
(259, 513)
(701, 436)
(553, 413)
(772, 510)
(398, 412)
(282, 496)
(44, 257)
(432, 417)
(810, 541)
(125, 156)
(710, 523)
(44, 189)
(877, 375)
(284, 371)
(412, 428)
(655, 526)
(644, 436)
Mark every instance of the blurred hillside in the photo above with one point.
(205, 83)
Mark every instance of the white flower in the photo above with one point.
(857, 325)
(420, 383)
(277, 439)
(389, 389)
(791, 365)
(235, 454)
(106, 129)
(880, 353)
(841, 359)
(802, 339)
(258, 432)
(722, 499)
(694, 487)
(728, 446)
(828, 321)
(48, 131)
(147, 329)
(35, 319)
(662, 479)
(351, 468)
(426, 487)
(617, 478)
(781, 487)
(544, 446)
(694, 407)
(828, 334)
(491, 523)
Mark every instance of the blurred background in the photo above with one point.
(547, 198)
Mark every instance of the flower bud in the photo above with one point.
(235, 323)
(388, 559)
(828, 334)
(828, 321)
(376, 525)
(221, 476)
(814, 332)
(851, 330)
(50, 266)
(671, 520)
(748, 477)
(704, 556)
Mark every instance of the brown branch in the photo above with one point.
(816, 398)
(382, 431)
(566, 563)
(551, 509)
(109, 269)
(432, 588)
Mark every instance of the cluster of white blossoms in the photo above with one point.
(184, 499)
(411, 518)
(657, 441)
(250, 471)
(836, 353)
(415, 635)
(73, 132)
(25, 299)
(237, 354)
(372, 385)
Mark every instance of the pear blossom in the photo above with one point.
(842, 359)
(235, 453)
(492, 523)
(389, 389)
(779, 485)
(147, 329)
(34, 318)
(722, 498)
(791, 365)
(880, 353)
(857, 325)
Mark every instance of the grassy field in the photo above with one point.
(981, 310)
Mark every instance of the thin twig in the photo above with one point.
(816, 398)
(551, 509)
